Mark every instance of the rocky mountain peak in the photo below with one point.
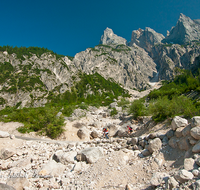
(185, 30)
(145, 38)
(110, 38)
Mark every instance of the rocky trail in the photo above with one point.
(154, 156)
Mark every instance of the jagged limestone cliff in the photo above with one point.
(186, 30)
(169, 57)
(145, 38)
(131, 67)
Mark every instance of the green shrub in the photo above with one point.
(68, 110)
(159, 108)
(42, 120)
(163, 108)
(137, 108)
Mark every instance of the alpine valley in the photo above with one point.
(30, 77)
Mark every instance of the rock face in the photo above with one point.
(110, 38)
(168, 57)
(146, 38)
(186, 30)
(128, 66)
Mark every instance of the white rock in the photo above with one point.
(65, 157)
(183, 175)
(195, 132)
(195, 121)
(159, 178)
(154, 145)
(52, 168)
(189, 163)
(4, 134)
(178, 122)
(171, 183)
(91, 155)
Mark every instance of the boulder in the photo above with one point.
(171, 183)
(112, 129)
(192, 140)
(94, 134)
(80, 166)
(96, 124)
(4, 134)
(183, 144)
(121, 133)
(152, 136)
(154, 145)
(159, 178)
(134, 141)
(195, 132)
(6, 153)
(90, 155)
(178, 122)
(195, 172)
(189, 163)
(65, 157)
(83, 133)
(195, 121)
(52, 168)
(178, 132)
(159, 159)
(183, 176)
(196, 148)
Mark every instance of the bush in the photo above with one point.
(68, 110)
(42, 120)
(137, 108)
(160, 108)
(164, 108)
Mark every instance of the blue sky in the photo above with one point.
(70, 26)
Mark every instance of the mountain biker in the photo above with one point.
(105, 133)
(129, 129)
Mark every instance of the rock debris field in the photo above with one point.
(154, 156)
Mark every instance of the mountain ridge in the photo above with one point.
(132, 65)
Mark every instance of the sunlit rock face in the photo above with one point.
(186, 30)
